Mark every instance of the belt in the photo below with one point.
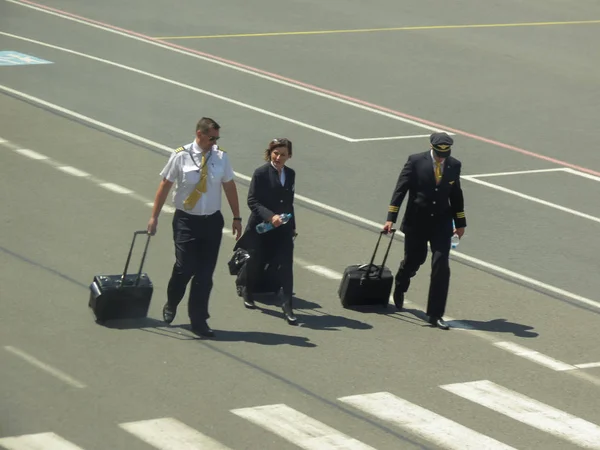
(197, 216)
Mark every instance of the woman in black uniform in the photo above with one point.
(270, 196)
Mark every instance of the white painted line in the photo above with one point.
(45, 367)
(183, 85)
(582, 174)
(116, 188)
(325, 272)
(213, 60)
(73, 171)
(587, 365)
(31, 154)
(533, 199)
(391, 138)
(40, 441)
(3, 141)
(534, 356)
(424, 423)
(376, 225)
(170, 434)
(519, 172)
(529, 411)
(299, 429)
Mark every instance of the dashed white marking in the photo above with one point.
(116, 188)
(299, 429)
(324, 272)
(170, 209)
(529, 411)
(40, 441)
(45, 367)
(376, 225)
(73, 171)
(588, 365)
(534, 356)
(422, 422)
(31, 154)
(170, 434)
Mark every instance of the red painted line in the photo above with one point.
(325, 91)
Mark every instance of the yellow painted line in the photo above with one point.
(371, 30)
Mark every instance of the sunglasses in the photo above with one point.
(214, 138)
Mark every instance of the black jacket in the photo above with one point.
(428, 203)
(267, 197)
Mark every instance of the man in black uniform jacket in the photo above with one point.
(432, 180)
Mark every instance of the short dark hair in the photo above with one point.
(206, 124)
(277, 143)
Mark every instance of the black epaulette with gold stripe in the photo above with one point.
(179, 149)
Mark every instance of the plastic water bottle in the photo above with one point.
(455, 239)
(263, 227)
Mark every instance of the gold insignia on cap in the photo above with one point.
(442, 147)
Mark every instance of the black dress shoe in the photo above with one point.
(248, 301)
(168, 313)
(399, 300)
(439, 322)
(288, 312)
(202, 329)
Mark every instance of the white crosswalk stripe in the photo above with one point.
(40, 441)
(422, 422)
(529, 411)
(299, 429)
(310, 434)
(171, 434)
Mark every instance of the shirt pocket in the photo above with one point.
(216, 172)
(191, 176)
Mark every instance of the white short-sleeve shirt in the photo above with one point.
(183, 169)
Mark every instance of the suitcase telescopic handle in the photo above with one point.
(135, 234)
(381, 233)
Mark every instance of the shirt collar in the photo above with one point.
(197, 149)
(273, 166)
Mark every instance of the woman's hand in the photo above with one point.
(276, 220)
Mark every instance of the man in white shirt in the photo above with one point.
(198, 170)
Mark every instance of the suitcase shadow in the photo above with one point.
(408, 315)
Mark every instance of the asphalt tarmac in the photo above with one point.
(357, 88)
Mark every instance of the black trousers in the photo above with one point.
(415, 254)
(197, 242)
(275, 251)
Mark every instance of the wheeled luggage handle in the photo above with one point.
(135, 234)
(381, 233)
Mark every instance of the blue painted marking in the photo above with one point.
(10, 58)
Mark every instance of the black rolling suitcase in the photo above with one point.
(367, 284)
(125, 296)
